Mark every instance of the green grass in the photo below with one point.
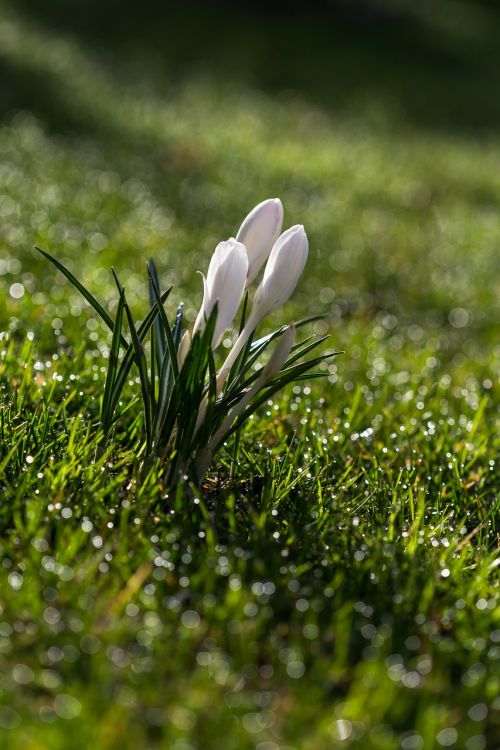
(342, 591)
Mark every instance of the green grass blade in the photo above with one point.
(177, 327)
(128, 358)
(112, 363)
(166, 328)
(251, 355)
(160, 340)
(165, 374)
(93, 302)
(146, 387)
(163, 393)
(298, 324)
(243, 313)
(304, 348)
(298, 372)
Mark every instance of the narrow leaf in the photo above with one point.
(160, 342)
(93, 302)
(147, 395)
(166, 329)
(112, 362)
(128, 358)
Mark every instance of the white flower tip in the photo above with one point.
(279, 205)
(259, 231)
(271, 207)
(296, 229)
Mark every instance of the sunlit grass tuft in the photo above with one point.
(335, 582)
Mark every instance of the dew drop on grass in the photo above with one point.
(341, 729)
(478, 712)
(412, 741)
(295, 669)
(190, 619)
(447, 737)
(16, 290)
(8, 717)
(22, 674)
(66, 706)
(15, 580)
(411, 679)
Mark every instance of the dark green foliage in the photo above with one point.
(174, 431)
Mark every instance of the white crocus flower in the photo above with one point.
(283, 270)
(258, 232)
(224, 284)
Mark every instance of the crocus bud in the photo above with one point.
(283, 269)
(258, 232)
(224, 284)
(183, 349)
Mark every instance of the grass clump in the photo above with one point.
(342, 589)
(189, 408)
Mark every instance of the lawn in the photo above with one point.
(334, 582)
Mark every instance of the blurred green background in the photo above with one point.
(129, 131)
(134, 130)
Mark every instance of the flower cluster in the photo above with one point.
(236, 263)
(190, 407)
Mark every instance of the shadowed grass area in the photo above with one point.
(343, 590)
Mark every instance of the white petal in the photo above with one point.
(228, 284)
(218, 259)
(259, 231)
(283, 270)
